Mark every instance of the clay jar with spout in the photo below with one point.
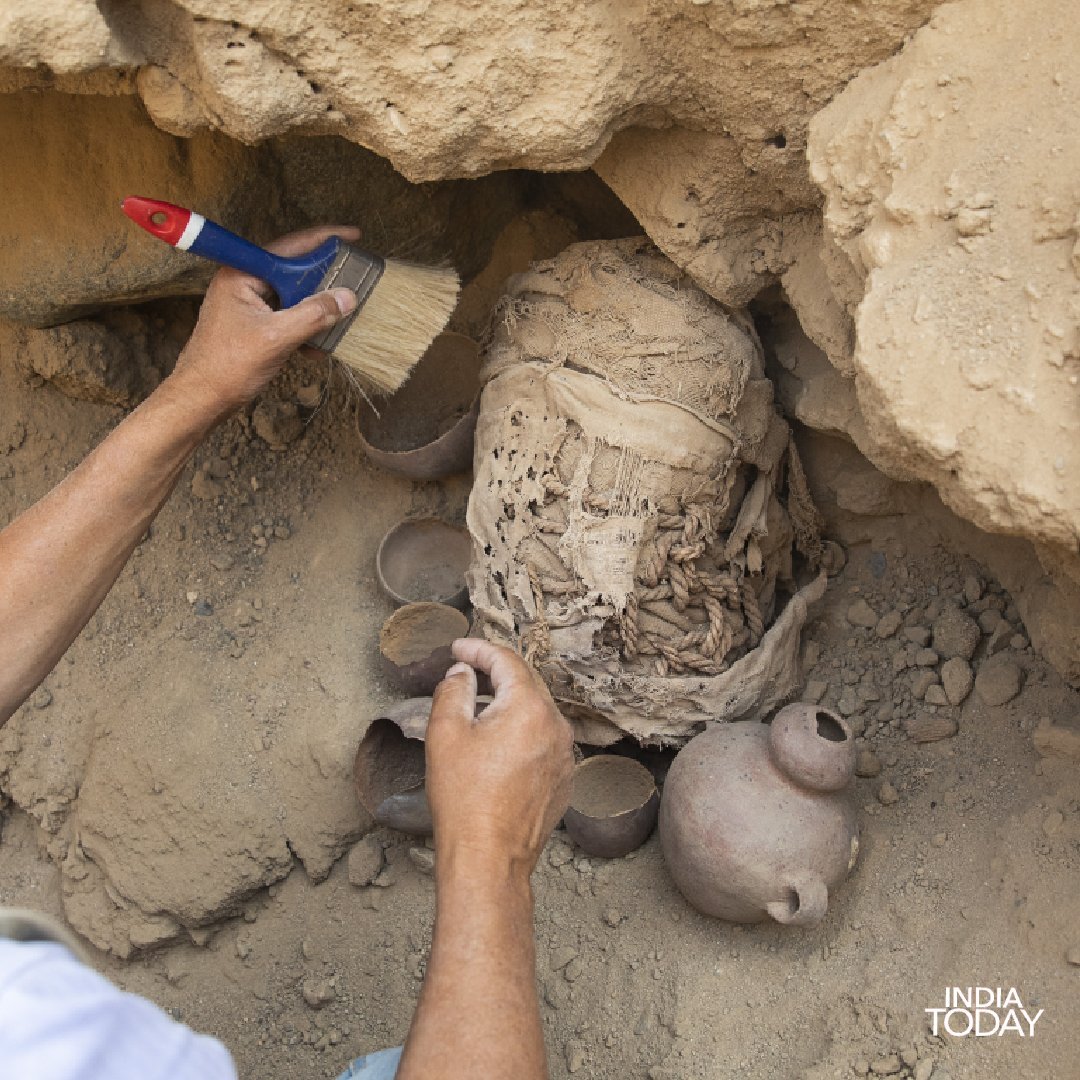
(755, 821)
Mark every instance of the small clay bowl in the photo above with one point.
(613, 806)
(425, 559)
(415, 645)
(389, 770)
(425, 430)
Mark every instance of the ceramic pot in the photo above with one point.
(755, 821)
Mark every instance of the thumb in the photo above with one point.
(313, 315)
(455, 698)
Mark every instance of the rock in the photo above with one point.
(1018, 642)
(921, 681)
(888, 624)
(926, 658)
(973, 589)
(575, 1055)
(317, 992)
(998, 681)
(815, 691)
(1072, 955)
(1051, 824)
(204, 486)
(613, 917)
(559, 853)
(365, 861)
(999, 638)
(309, 396)
(833, 558)
(988, 620)
(957, 678)
(935, 695)
(867, 764)
(924, 1069)
(41, 698)
(848, 703)
(277, 423)
(887, 795)
(926, 728)
(955, 633)
(423, 859)
(862, 614)
(1061, 740)
(918, 635)
(886, 1066)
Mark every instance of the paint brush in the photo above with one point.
(400, 306)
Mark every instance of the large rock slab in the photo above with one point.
(951, 243)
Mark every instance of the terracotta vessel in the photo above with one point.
(755, 821)
(415, 645)
(613, 806)
(424, 560)
(425, 430)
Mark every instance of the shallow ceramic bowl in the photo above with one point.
(425, 430)
(415, 645)
(425, 559)
(613, 806)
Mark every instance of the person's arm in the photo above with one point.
(498, 785)
(60, 558)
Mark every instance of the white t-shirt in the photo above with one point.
(60, 1020)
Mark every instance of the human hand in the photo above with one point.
(240, 343)
(497, 783)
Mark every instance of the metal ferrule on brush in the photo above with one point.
(353, 269)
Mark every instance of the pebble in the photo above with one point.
(926, 658)
(613, 917)
(422, 859)
(815, 690)
(921, 681)
(973, 589)
(998, 680)
(888, 624)
(317, 992)
(42, 698)
(365, 861)
(204, 486)
(575, 1056)
(925, 1069)
(956, 634)
(989, 620)
(572, 971)
(920, 635)
(1072, 955)
(925, 728)
(999, 638)
(887, 795)
(1052, 822)
(935, 695)
(277, 423)
(309, 396)
(1018, 642)
(957, 678)
(867, 764)
(833, 558)
(886, 1066)
(940, 839)
(811, 654)
(203, 608)
(908, 1055)
(862, 614)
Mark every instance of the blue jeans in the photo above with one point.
(382, 1065)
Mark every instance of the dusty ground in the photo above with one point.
(968, 877)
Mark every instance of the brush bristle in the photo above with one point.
(410, 305)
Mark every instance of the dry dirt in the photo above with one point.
(248, 620)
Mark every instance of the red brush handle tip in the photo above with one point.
(162, 219)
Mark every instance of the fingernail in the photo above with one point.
(458, 669)
(345, 300)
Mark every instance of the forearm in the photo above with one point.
(60, 558)
(478, 1014)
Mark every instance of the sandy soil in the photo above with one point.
(969, 859)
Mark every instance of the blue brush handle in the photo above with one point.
(293, 279)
